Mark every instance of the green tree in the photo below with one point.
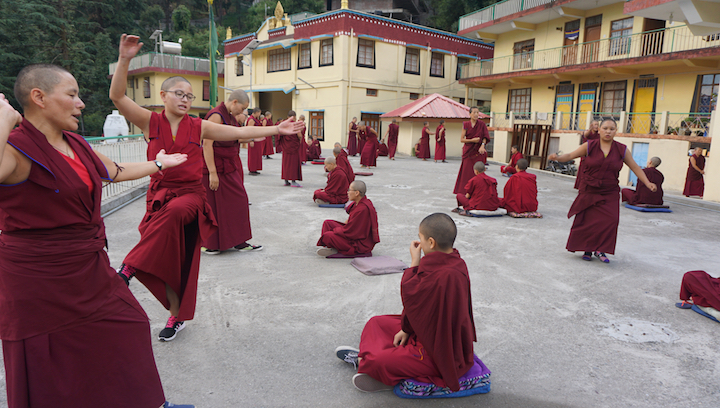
(150, 18)
(181, 18)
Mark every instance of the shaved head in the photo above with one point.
(257, 110)
(337, 150)
(441, 228)
(655, 161)
(170, 82)
(359, 186)
(522, 164)
(240, 96)
(41, 76)
(479, 167)
(330, 160)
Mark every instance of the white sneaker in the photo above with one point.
(365, 383)
(327, 251)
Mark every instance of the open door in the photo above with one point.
(653, 37)
(591, 43)
(572, 36)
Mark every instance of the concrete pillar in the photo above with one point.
(533, 118)
(622, 124)
(511, 121)
(492, 119)
(663, 125)
(588, 120)
(558, 120)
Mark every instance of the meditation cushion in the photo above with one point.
(363, 173)
(318, 161)
(343, 256)
(529, 214)
(484, 213)
(649, 209)
(379, 265)
(331, 205)
(695, 308)
(475, 381)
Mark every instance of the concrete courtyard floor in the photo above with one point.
(554, 330)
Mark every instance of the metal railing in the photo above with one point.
(688, 124)
(654, 42)
(153, 59)
(121, 149)
(498, 10)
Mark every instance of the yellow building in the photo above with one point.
(343, 64)
(148, 71)
(564, 63)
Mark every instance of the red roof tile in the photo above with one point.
(433, 106)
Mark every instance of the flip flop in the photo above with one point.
(684, 305)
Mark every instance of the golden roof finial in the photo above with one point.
(279, 13)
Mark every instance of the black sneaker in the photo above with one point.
(248, 248)
(210, 251)
(126, 272)
(348, 354)
(171, 329)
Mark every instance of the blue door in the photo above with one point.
(640, 155)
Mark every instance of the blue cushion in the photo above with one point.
(332, 205)
(698, 310)
(475, 381)
(464, 393)
(646, 209)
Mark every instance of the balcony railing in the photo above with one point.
(157, 60)
(649, 43)
(121, 149)
(498, 10)
(663, 123)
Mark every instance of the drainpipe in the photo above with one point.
(427, 71)
(347, 97)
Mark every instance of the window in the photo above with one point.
(371, 92)
(461, 62)
(707, 94)
(206, 91)
(613, 97)
(239, 66)
(366, 53)
(146, 87)
(412, 61)
(326, 52)
(523, 51)
(437, 65)
(462, 100)
(278, 60)
(304, 56)
(317, 125)
(620, 32)
(519, 101)
(414, 96)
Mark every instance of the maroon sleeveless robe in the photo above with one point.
(471, 153)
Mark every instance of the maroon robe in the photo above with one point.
(229, 202)
(703, 288)
(336, 190)
(66, 315)
(471, 153)
(520, 193)
(483, 194)
(361, 136)
(352, 140)
(303, 152)
(591, 136)
(642, 194)
(440, 143)
(368, 155)
(383, 150)
(597, 206)
(291, 167)
(392, 141)
(424, 145)
(255, 152)
(694, 183)
(343, 162)
(178, 217)
(358, 236)
(510, 168)
(437, 314)
(314, 151)
(268, 149)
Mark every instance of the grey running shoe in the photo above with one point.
(348, 354)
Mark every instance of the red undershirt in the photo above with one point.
(80, 169)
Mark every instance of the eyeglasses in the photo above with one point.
(180, 95)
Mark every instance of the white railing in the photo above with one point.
(498, 10)
(689, 124)
(130, 149)
(157, 60)
(669, 40)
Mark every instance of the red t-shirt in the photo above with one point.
(80, 169)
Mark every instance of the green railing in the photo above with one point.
(115, 138)
(654, 42)
(157, 60)
(498, 10)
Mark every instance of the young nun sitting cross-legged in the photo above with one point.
(480, 192)
(336, 191)
(356, 237)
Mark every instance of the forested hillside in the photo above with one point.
(82, 35)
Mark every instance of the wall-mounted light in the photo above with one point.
(558, 28)
(670, 19)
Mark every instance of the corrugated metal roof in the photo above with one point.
(433, 106)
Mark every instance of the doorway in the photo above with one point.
(653, 37)
(572, 36)
(591, 44)
(372, 120)
(640, 155)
